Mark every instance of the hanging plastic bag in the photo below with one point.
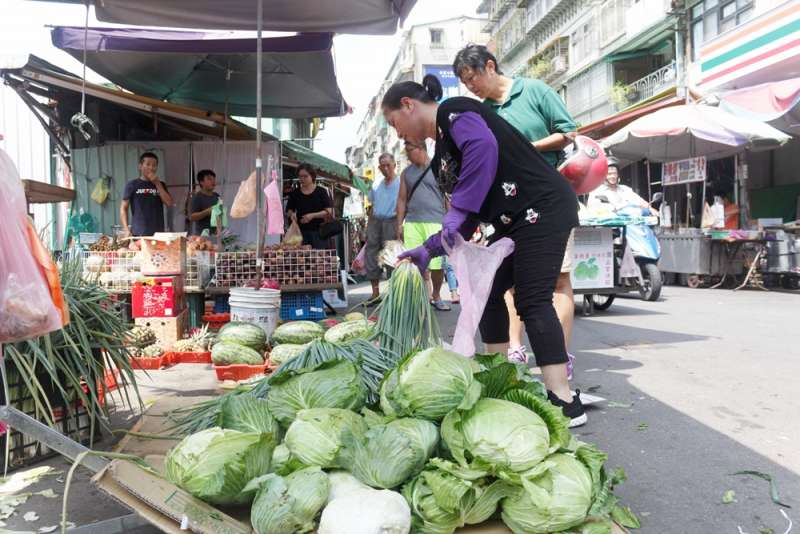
(359, 265)
(30, 282)
(293, 237)
(475, 267)
(100, 191)
(244, 203)
(274, 206)
(219, 215)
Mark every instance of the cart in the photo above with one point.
(600, 249)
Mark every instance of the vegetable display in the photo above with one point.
(359, 328)
(283, 353)
(244, 334)
(393, 434)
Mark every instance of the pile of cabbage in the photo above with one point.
(452, 441)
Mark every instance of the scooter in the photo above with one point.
(646, 250)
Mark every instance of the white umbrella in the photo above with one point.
(691, 130)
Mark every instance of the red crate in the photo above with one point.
(239, 371)
(151, 364)
(216, 321)
(158, 296)
(190, 357)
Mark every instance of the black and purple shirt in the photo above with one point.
(147, 210)
(494, 173)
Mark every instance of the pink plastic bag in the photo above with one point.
(475, 267)
(26, 305)
(359, 265)
(274, 207)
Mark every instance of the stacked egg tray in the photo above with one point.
(295, 267)
(302, 267)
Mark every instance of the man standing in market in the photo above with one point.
(146, 196)
(203, 201)
(420, 210)
(382, 220)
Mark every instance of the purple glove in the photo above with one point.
(454, 219)
(419, 256)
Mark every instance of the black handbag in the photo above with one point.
(330, 229)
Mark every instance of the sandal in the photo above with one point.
(440, 305)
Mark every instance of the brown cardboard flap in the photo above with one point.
(162, 503)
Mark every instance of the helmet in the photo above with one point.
(585, 166)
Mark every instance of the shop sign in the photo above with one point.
(684, 171)
(593, 259)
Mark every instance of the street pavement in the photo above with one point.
(699, 385)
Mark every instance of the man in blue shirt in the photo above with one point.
(382, 222)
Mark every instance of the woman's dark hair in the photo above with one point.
(429, 91)
(308, 168)
(205, 172)
(474, 57)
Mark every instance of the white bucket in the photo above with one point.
(257, 306)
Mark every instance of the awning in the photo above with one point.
(205, 70)
(611, 124)
(691, 130)
(338, 16)
(42, 79)
(776, 103)
(294, 154)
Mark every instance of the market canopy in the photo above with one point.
(206, 70)
(338, 16)
(776, 103)
(691, 130)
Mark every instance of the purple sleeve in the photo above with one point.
(478, 147)
(434, 243)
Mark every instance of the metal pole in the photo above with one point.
(259, 192)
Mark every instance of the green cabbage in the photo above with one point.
(288, 505)
(429, 384)
(215, 465)
(497, 435)
(391, 454)
(318, 435)
(332, 384)
(283, 463)
(248, 413)
(441, 501)
(554, 496)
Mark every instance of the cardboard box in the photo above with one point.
(168, 329)
(162, 503)
(158, 296)
(164, 254)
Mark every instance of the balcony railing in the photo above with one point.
(652, 84)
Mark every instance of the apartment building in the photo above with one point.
(602, 56)
(425, 49)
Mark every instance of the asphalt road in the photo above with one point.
(698, 385)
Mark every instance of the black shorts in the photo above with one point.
(532, 270)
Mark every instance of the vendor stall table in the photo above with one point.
(732, 249)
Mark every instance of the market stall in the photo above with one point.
(692, 142)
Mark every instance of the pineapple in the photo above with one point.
(201, 339)
(153, 351)
(183, 345)
(141, 337)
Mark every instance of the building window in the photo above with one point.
(582, 43)
(713, 17)
(437, 37)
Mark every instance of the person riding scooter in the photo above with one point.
(616, 194)
(640, 239)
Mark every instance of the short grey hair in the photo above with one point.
(475, 57)
(386, 155)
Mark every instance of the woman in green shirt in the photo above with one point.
(538, 112)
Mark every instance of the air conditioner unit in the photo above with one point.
(558, 65)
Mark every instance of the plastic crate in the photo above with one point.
(239, 371)
(189, 357)
(151, 364)
(215, 321)
(302, 306)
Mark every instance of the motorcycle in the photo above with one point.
(645, 249)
